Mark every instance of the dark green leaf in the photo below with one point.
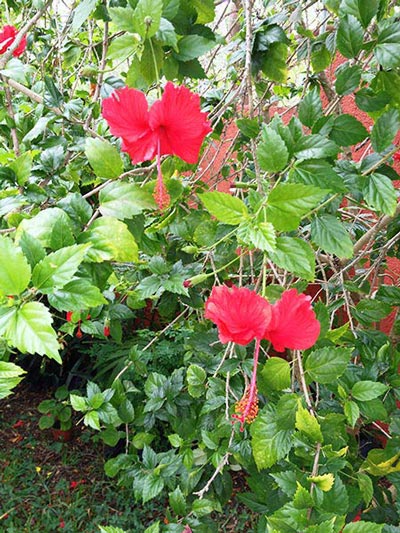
(363, 10)
(294, 255)
(347, 78)
(347, 130)
(315, 147)
(104, 158)
(330, 234)
(276, 373)
(387, 49)
(327, 364)
(310, 108)
(147, 17)
(271, 151)
(193, 46)
(368, 390)
(350, 35)
(369, 101)
(380, 194)
(385, 129)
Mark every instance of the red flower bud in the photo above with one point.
(79, 333)
(69, 316)
(106, 331)
(187, 283)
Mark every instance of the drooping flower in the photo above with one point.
(293, 324)
(7, 37)
(174, 125)
(240, 314)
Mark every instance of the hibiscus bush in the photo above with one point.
(199, 228)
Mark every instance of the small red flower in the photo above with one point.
(396, 157)
(79, 333)
(174, 125)
(240, 314)
(69, 316)
(106, 331)
(18, 424)
(293, 324)
(61, 524)
(73, 485)
(7, 37)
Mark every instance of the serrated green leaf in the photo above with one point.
(307, 423)
(276, 373)
(205, 11)
(330, 234)
(336, 500)
(380, 194)
(363, 10)
(122, 47)
(124, 200)
(104, 158)
(56, 269)
(15, 272)
(22, 167)
(45, 225)
(288, 202)
(310, 108)
(315, 147)
(154, 528)
(294, 255)
(82, 13)
(271, 151)
(10, 376)
(323, 482)
(166, 34)
(363, 527)
(274, 64)
(177, 502)
(347, 79)
(110, 240)
(225, 207)
(368, 311)
(368, 390)
(369, 101)
(152, 486)
(30, 331)
(32, 249)
(123, 18)
(352, 412)
(387, 49)
(76, 295)
(193, 46)
(366, 487)
(327, 364)
(319, 173)
(79, 403)
(196, 377)
(302, 498)
(147, 17)
(350, 36)
(260, 235)
(385, 130)
(347, 130)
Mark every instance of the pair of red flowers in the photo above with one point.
(7, 37)
(242, 315)
(174, 125)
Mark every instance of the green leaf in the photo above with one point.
(56, 269)
(123, 18)
(110, 240)
(196, 377)
(205, 11)
(315, 147)
(32, 248)
(177, 502)
(274, 64)
(82, 12)
(270, 441)
(323, 527)
(249, 127)
(79, 403)
(367, 100)
(154, 528)
(368, 390)
(76, 295)
(363, 527)
(363, 10)
(347, 130)
(366, 487)
(15, 272)
(112, 529)
(166, 34)
(294, 255)
(225, 207)
(30, 331)
(92, 420)
(307, 423)
(302, 499)
(203, 507)
(147, 17)
(350, 35)
(152, 486)
(330, 234)
(276, 373)
(319, 173)
(46, 225)
(320, 57)
(385, 130)
(327, 364)
(22, 167)
(336, 500)
(124, 200)
(310, 108)
(193, 46)
(260, 235)
(271, 151)
(387, 49)
(10, 376)
(347, 79)
(122, 47)
(368, 311)
(352, 412)
(288, 202)
(104, 158)
(380, 194)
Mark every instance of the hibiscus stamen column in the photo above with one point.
(246, 409)
(161, 195)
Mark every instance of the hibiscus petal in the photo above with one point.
(180, 123)
(294, 324)
(127, 114)
(240, 314)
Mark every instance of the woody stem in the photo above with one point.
(253, 382)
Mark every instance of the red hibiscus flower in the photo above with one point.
(7, 37)
(240, 314)
(174, 125)
(396, 157)
(294, 324)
